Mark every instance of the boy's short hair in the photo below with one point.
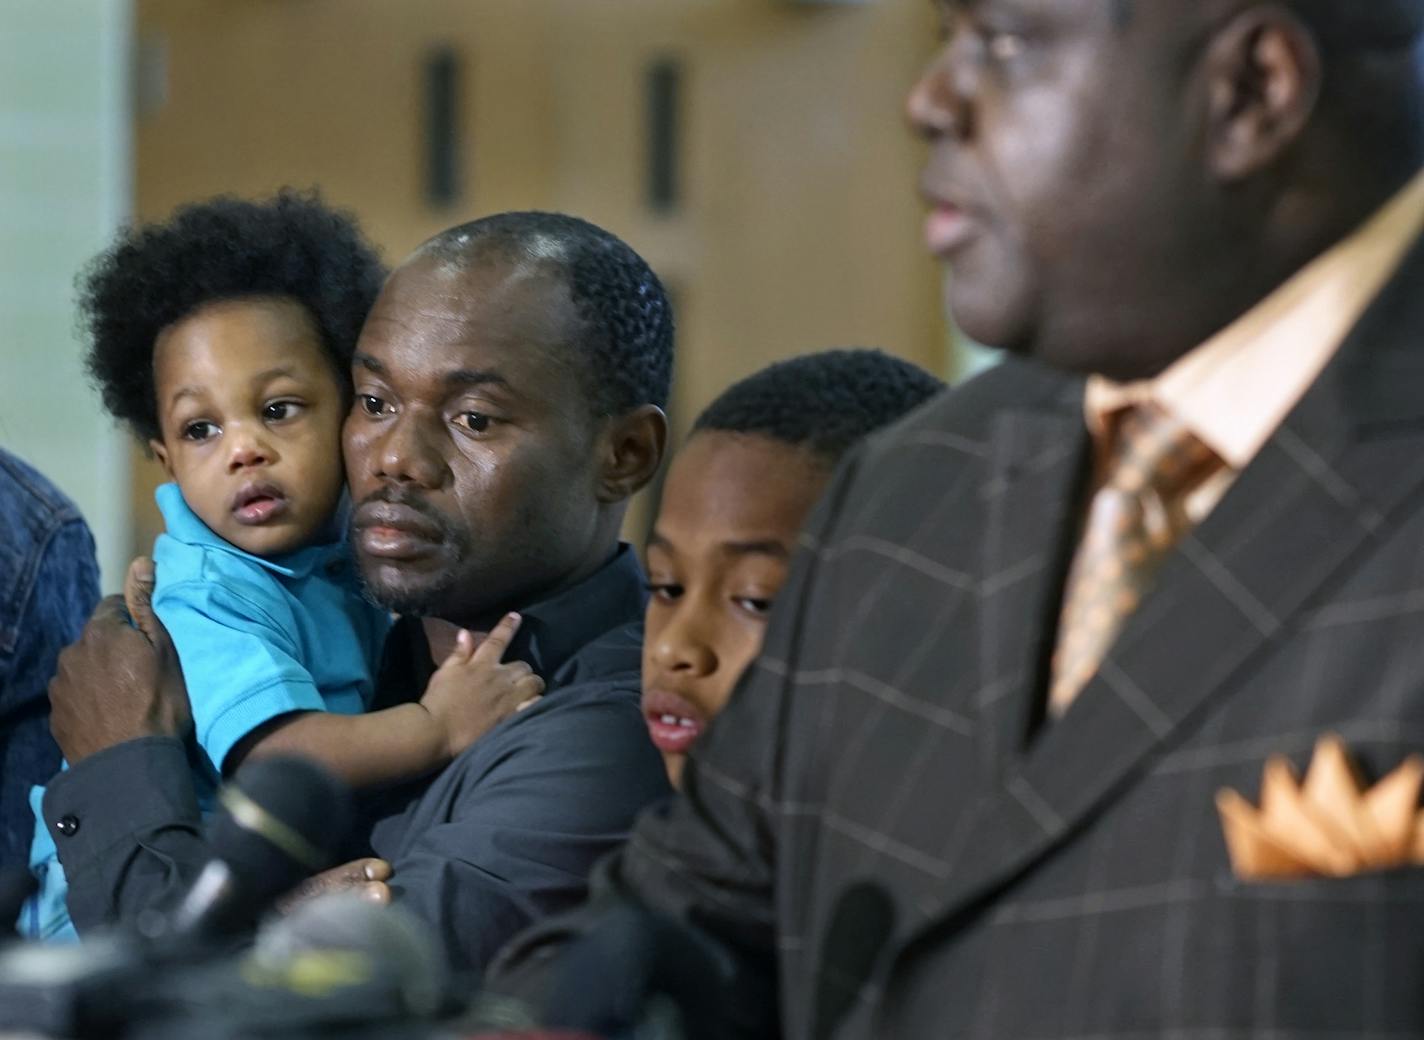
(292, 245)
(825, 402)
(626, 352)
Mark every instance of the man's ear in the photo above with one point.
(161, 454)
(1263, 81)
(633, 446)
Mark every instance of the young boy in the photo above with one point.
(223, 338)
(733, 503)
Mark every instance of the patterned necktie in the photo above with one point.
(1136, 517)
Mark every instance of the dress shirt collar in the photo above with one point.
(1234, 390)
(555, 629)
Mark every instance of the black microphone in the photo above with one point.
(279, 821)
(861, 925)
(337, 965)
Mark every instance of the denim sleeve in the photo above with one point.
(56, 605)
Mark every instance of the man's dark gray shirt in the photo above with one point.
(506, 834)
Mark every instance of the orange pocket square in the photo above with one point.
(1327, 825)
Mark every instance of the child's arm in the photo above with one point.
(469, 694)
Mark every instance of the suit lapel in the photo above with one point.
(1040, 458)
(1341, 469)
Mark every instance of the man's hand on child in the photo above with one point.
(121, 680)
(474, 690)
(138, 598)
(365, 877)
(172, 711)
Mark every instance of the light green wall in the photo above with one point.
(65, 184)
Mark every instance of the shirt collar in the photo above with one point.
(556, 628)
(183, 525)
(1234, 390)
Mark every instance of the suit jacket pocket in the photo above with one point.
(1317, 954)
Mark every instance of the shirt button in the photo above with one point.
(68, 826)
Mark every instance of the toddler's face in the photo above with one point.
(732, 507)
(251, 411)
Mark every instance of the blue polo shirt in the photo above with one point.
(258, 638)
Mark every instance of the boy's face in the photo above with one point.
(732, 507)
(251, 410)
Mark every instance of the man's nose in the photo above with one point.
(683, 646)
(939, 102)
(406, 454)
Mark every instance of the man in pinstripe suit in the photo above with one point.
(942, 803)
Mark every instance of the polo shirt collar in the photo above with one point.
(183, 525)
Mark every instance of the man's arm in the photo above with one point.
(695, 885)
(127, 827)
(123, 817)
(121, 680)
(510, 831)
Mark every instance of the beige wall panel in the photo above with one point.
(328, 92)
(799, 227)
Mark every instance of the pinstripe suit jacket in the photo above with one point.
(1075, 884)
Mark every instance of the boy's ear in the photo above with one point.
(633, 450)
(161, 454)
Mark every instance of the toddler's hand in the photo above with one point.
(473, 690)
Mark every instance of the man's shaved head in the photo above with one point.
(625, 352)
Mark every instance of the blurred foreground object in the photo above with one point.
(279, 820)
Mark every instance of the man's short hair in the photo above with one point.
(825, 402)
(291, 245)
(627, 350)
